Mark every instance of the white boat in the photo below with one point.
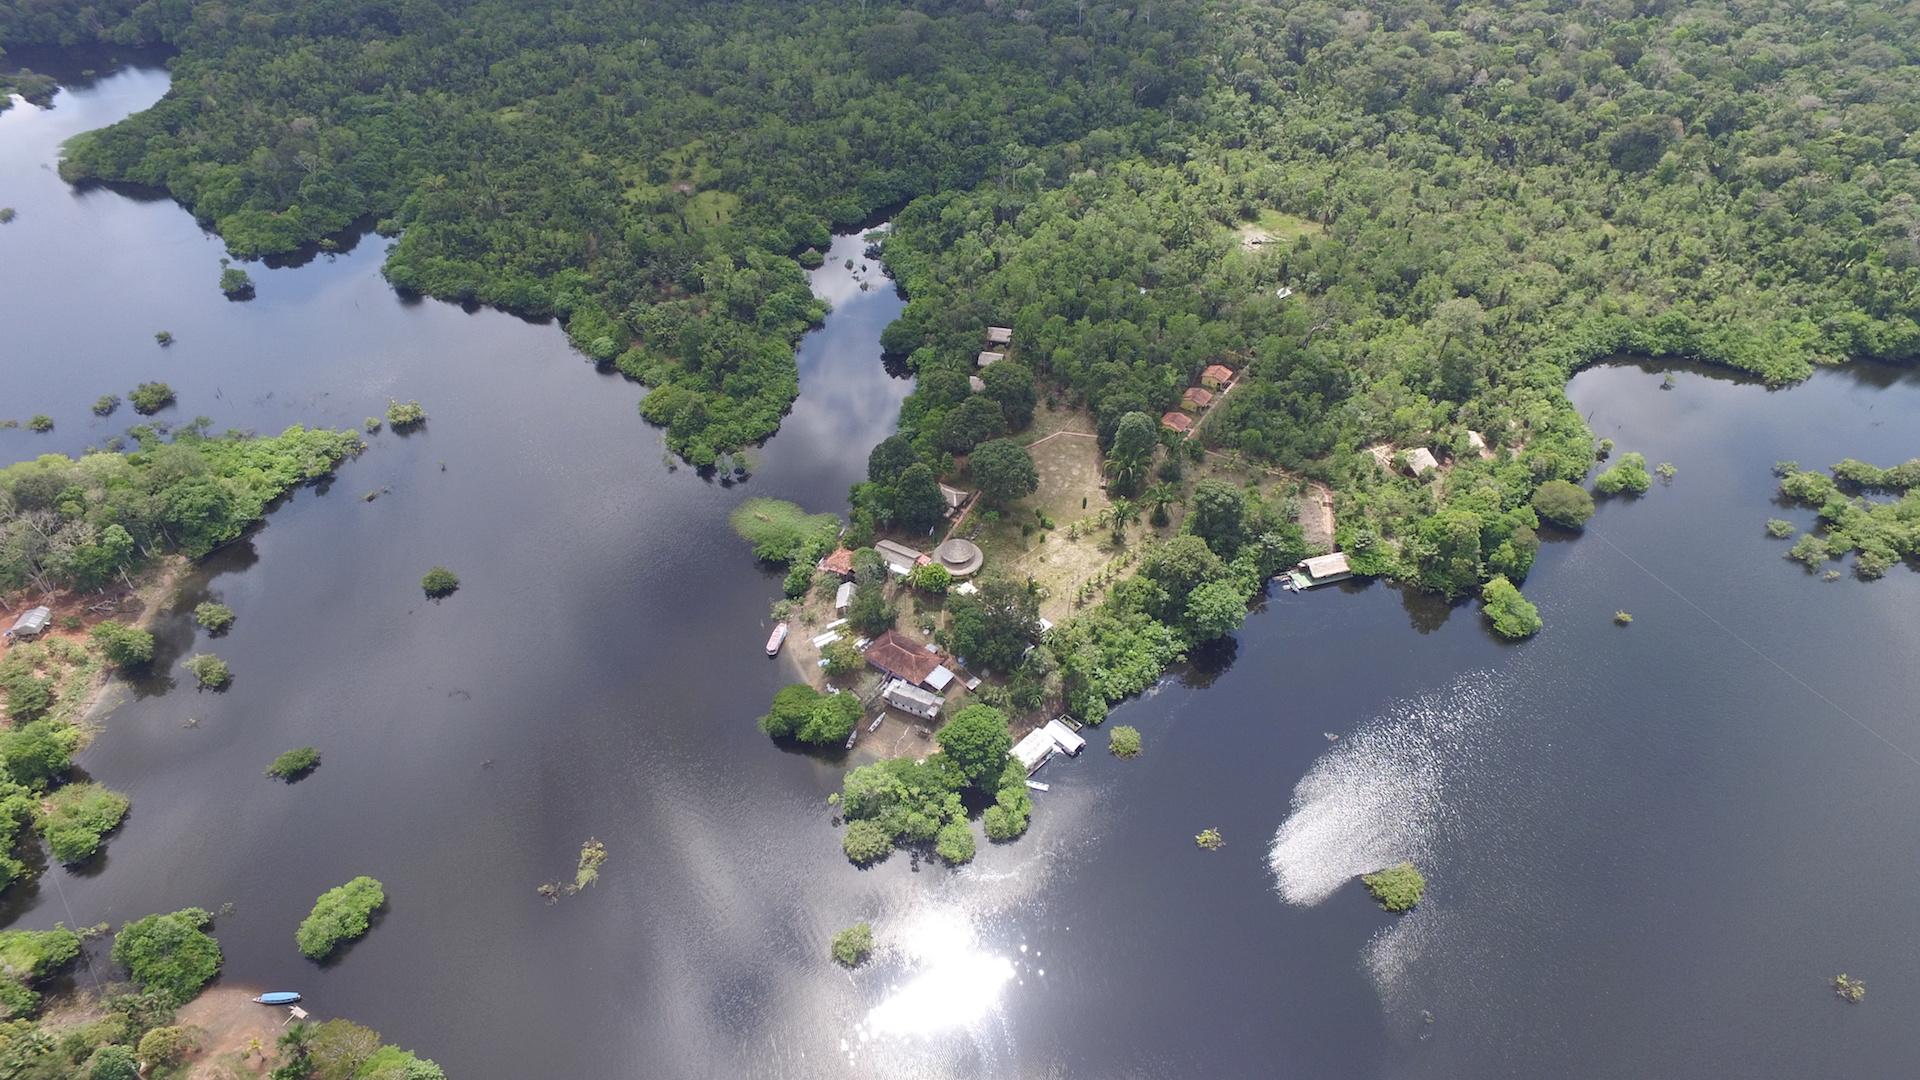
(776, 639)
(875, 726)
(1038, 786)
(851, 738)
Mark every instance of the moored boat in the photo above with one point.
(277, 997)
(776, 639)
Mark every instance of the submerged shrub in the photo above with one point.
(853, 945)
(341, 914)
(294, 764)
(1398, 888)
(440, 582)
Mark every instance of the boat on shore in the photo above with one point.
(776, 639)
(277, 997)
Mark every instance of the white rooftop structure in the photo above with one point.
(999, 335)
(1421, 460)
(1034, 750)
(31, 623)
(843, 596)
(940, 676)
(1065, 737)
(988, 359)
(909, 698)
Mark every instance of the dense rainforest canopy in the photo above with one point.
(1461, 204)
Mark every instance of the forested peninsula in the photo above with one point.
(1403, 226)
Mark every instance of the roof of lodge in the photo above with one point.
(1327, 565)
(839, 562)
(901, 658)
(988, 359)
(905, 689)
(1178, 421)
(1420, 460)
(1217, 371)
(1198, 395)
(999, 335)
(897, 552)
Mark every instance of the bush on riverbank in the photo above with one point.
(123, 646)
(1513, 616)
(26, 957)
(340, 914)
(75, 817)
(800, 712)
(1397, 888)
(1628, 476)
(781, 532)
(294, 764)
(169, 955)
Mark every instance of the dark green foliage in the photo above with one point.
(341, 914)
(113, 1062)
(866, 842)
(870, 612)
(169, 955)
(1215, 609)
(440, 582)
(123, 646)
(802, 713)
(209, 671)
(1135, 438)
(80, 523)
(913, 500)
(215, 618)
(973, 422)
(1123, 740)
(1003, 470)
(405, 415)
(852, 946)
(993, 627)
(150, 397)
(75, 817)
(898, 801)
(1512, 615)
(294, 764)
(977, 741)
(40, 422)
(1397, 888)
(38, 753)
(1628, 476)
(1012, 806)
(1011, 386)
(105, 404)
(163, 338)
(1217, 513)
(1563, 503)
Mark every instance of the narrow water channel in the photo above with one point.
(1649, 847)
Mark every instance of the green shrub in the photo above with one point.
(163, 338)
(402, 415)
(440, 582)
(28, 696)
(341, 914)
(106, 404)
(113, 1062)
(778, 530)
(236, 283)
(803, 713)
(1398, 888)
(150, 397)
(123, 646)
(1779, 528)
(214, 618)
(842, 658)
(1628, 476)
(165, 1046)
(75, 817)
(40, 422)
(169, 955)
(1209, 839)
(211, 671)
(852, 946)
(27, 956)
(1124, 741)
(1563, 503)
(294, 764)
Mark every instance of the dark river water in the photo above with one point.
(1648, 848)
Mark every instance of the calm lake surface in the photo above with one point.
(1648, 848)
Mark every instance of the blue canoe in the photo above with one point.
(278, 997)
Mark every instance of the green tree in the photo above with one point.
(1010, 384)
(971, 423)
(169, 955)
(214, 618)
(977, 741)
(917, 503)
(955, 844)
(150, 397)
(1563, 503)
(113, 1062)
(38, 753)
(236, 283)
(1397, 888)
(1628, 475)
(75, 817)
(440, 582)
(1215, 609)
(852, 946)
(1446, 549)
(870, 612)
(1004, 471)
(930, 578)
(294, 764)
(994, 626)
(1130, 456)
(866, 842)
(209, 670)
(1512, 615)
(1217, 513)
(1123, 740)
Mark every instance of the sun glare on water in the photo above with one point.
(952, 981)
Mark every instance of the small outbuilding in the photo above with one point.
(954, 497)
(1034, 750)
(962, 558)
(1421, 461)
(1478, 444)
(1320, 570)
(976, 384)
(1065, 737)
(988, 359)
(1216, 376)
(1177, 422)
(1000, 336)
(843, 596)
(1196, 398)
(31, 624)
(900, 558)
(908, 698)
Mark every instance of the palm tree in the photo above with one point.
(1122, 514)
(1158, 498)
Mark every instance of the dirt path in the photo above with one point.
(1316, 516)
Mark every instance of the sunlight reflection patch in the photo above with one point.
(952, 982)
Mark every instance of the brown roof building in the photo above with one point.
(840, 562)
(1196, 398)
(1177, 421)
(1217, 375)
(901, 658)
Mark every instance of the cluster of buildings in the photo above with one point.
(1215, 381)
